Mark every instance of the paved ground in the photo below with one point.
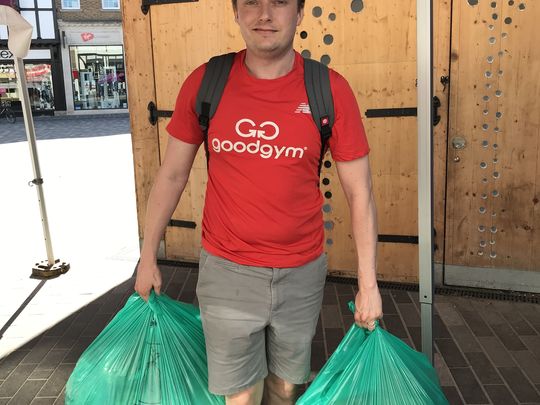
(66, 127)
(488, 352)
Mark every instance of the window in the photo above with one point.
(40, 14)
(98, 77)
(39, 81)
(110, 4)
(71, 4)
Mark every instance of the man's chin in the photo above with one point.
(268, 49)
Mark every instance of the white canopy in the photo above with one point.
(20, 31)
(19, 40)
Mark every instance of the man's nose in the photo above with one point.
(265, 11)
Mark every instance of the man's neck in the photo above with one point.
(269, 67)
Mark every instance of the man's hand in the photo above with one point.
(368, 307)
(148, 277)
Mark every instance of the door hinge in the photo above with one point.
(154, 113)
(391, 112)
(180, 223)
(145, 4)
(404, 112)
(445, 81)
(436, 105)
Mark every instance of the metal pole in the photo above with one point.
(424, 35)
(51, 267)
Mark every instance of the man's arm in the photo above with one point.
(168, 186)
(355, 179)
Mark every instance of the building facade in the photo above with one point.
(92, 55)
(76, 61)
(43, 63)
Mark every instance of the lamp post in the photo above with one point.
(424, 35)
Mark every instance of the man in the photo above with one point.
(262, 267)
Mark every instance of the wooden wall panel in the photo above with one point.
(535, 254)
(519, 152)
(185, 36)
(381, 77)
(469, 44)
(441, 62)
(405, 269)
(494, 57)
(140, 79)
(383, 32)
(374, 49)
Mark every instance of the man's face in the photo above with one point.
(268, 26)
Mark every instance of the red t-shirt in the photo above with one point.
(263, 203)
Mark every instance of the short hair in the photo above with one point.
(301, 4)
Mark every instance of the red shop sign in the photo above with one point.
(87, 36)
(38, 70)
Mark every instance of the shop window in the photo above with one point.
(98, 77)
(110, 4)
(39, 81)
(71, 4)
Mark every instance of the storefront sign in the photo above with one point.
(5, 54)
(38, 70)
(87, 36)
(98, 36)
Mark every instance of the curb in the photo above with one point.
(78, 117)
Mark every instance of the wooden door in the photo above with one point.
(492, 212)
(373, 44)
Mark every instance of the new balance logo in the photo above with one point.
(303, 108)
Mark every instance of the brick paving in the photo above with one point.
(487, 352)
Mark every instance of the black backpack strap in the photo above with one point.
(321, 104)
(210, 92)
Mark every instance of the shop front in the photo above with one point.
(39, 76)
(93, 61)
(42, 64)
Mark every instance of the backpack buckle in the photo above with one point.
(204, 116)
(326, 131)
(203, 122)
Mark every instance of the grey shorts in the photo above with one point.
(258, 319)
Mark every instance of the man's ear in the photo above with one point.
(300, 17)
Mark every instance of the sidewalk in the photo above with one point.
(66, 127)
(487, 351)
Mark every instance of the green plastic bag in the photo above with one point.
(374, 368)
(150, 353)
